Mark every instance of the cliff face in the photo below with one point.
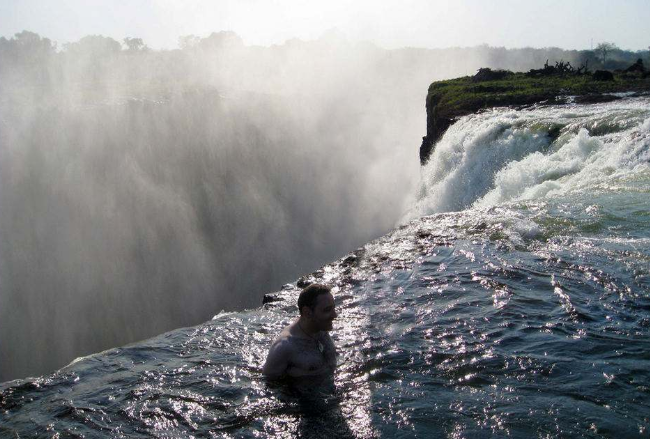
(451, 99)
(438, 120)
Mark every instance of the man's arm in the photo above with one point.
(277, 362)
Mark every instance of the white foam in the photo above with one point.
(505, 155)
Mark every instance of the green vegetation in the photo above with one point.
(451, 99)
(462, 96)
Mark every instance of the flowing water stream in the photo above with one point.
(513, 301)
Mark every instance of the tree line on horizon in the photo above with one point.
(29, 59)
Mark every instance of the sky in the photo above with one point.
(569, 24)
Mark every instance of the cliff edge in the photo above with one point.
(448, 100)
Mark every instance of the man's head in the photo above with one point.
(316, 305)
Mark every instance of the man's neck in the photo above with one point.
(306, 328)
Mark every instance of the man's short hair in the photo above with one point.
(309, 295)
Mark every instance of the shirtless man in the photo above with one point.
(304, 348)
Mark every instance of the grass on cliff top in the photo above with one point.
(456, 97)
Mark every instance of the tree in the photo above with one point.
(27, 58)
(221, 40)
(26, 46)
(188, 41)
(96, 45)
(603, 49)
(31, 41)
(134, 44)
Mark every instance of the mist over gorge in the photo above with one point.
(144, 190)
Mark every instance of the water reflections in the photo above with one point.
(354, 342)
(545, 338)
(337, 406)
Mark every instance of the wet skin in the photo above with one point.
(304, 348)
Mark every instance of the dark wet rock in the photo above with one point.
(595, 99)
(554, 132)
(350, 260)
(423, 234)
(270, 298)
(304, 282)
(342, 274)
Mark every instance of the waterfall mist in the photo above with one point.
(144, 190)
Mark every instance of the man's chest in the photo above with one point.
(309, 355)
(314, 354)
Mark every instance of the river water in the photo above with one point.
(512, 301)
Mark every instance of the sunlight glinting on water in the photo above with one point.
(526, 318)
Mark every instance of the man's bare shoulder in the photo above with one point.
(285, 334)
(284, 344)
(282, 350)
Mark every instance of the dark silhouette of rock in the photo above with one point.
(437, 124)
(270, 298)
(303, 282)
(596, 98)
(350, 260)
(603, 75)
(636, 67)
(487, 74)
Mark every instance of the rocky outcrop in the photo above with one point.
(437, 124)
(449, 100)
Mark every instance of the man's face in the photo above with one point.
(324, 312)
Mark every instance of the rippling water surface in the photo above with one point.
(524, 316)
